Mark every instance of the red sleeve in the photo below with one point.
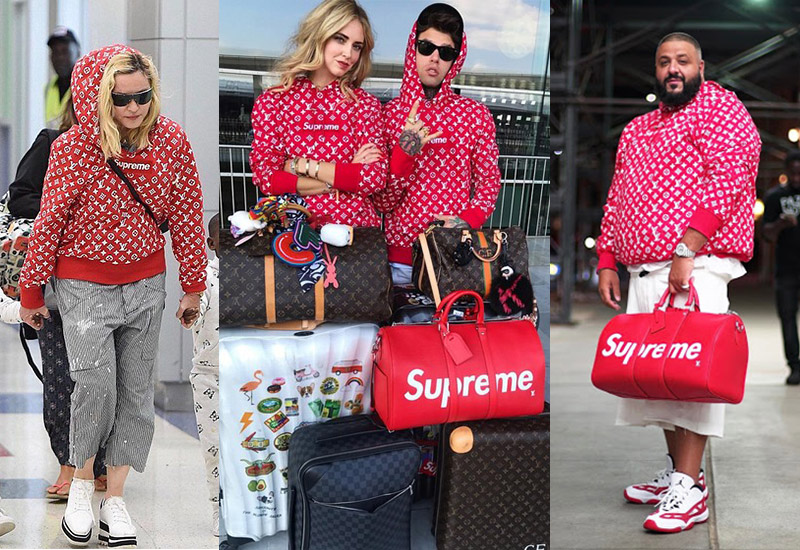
(401, 164)
(388, 198)
(485, 174)
(731, 146)
(365, 179)
(63, 183)
(605, 242)
(186, 227)
(267, 154)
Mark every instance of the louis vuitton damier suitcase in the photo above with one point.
(351, 485)
(493, 485)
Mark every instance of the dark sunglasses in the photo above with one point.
(122, 100)
(445, 52)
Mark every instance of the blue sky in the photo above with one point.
(504, 36)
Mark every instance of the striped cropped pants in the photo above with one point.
(111, 333)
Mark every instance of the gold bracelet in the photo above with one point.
(316, 171)
(308, 164)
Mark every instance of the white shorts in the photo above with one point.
(711, 276)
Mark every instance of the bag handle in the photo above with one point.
(659, 312)
(497, 238)
(693, 302)
(441, 317)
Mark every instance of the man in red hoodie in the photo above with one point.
(443, 163)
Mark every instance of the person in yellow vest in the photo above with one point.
(64, 52)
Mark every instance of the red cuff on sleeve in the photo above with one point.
(606, 260)
(282, 182)
(196, 287)
(705, 221)
(401, 164)
(31, 298)
(347, 176)
(475, 217)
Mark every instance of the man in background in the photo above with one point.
(781, 209)
(64, 53)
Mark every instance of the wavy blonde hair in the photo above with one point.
(317, 28)
(126, 63)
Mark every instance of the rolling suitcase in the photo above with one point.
(493, 485)
(351, 486)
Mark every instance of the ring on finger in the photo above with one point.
(424, 131)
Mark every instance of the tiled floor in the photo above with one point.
(168, 503)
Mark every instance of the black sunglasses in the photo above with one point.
(122, 100)
(445, 52)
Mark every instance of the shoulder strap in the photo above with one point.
(426, 255)
(115, 167)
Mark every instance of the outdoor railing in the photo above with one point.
(524, 197)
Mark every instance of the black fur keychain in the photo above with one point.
(463, 252)
(511, 292)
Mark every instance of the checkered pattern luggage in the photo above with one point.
(351, 485)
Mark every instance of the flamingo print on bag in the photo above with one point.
(252, 385)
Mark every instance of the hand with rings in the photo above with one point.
(415, 134)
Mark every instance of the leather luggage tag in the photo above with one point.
(456, 347)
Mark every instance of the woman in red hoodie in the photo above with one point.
(97, 240)
(317, 133)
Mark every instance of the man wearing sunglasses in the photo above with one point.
(443, 163)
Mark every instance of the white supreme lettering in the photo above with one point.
(317, 127)
(133, 165)
(439, 388)
(616, 347)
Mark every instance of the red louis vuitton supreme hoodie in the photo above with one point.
(455, 174)
(90, 227)
(324, 125)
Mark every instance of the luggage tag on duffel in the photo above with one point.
(456, 347)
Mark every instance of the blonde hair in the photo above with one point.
(126, 63)
(317, 28)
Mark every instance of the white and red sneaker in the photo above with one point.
(681, 507)
(652, 491)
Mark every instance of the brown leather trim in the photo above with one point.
(487, 266)
(319, 301)
(426, 255)
(269, 287)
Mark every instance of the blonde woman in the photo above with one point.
(103, 252)
(317, 133)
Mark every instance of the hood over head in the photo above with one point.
(411, 89)
(85, 86)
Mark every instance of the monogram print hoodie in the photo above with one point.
(455, 174)
(323, 125)
(695, 166)
(90, 227)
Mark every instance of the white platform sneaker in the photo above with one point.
(6, 523)
(116, 527)
(78, 518)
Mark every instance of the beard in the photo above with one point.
(690, 89)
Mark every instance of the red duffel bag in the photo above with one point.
(677, 354)
(443, 372)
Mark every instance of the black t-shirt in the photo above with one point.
(785, 200)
